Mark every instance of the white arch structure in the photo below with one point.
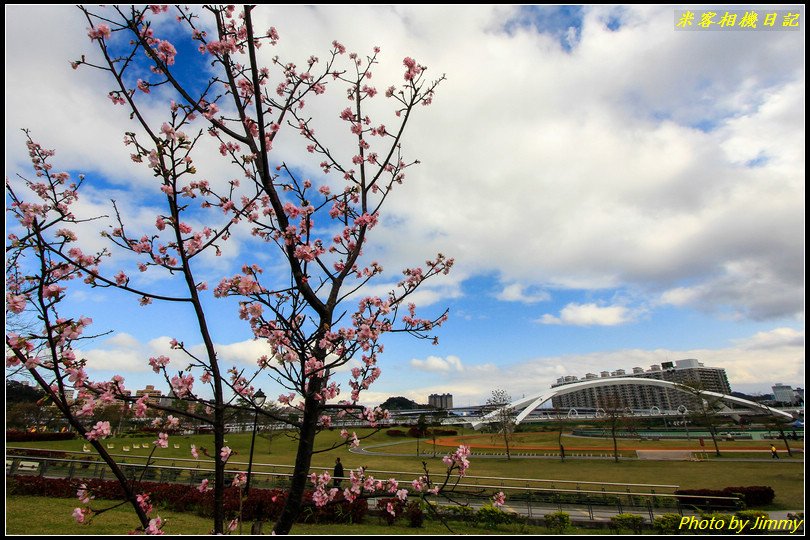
(528, 404)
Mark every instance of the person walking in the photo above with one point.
(337, 475)
(774, 455)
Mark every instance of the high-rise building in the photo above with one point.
(441, 401)
(783, 393)
(636, 396)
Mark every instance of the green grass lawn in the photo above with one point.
(785, 476)
(53, 517)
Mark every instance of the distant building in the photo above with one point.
(167, 401)
(783, 393)
(635, 396)
(441, 401)
(149, 391)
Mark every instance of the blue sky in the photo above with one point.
(615, 193)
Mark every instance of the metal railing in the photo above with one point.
(530, 497)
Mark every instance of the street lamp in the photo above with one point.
(683, 410)
(258, 401)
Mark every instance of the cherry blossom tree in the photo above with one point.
(311, 219)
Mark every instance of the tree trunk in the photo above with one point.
(615, 444)
(219, 471)
(303, 459)
(126, 485)
(130, 495)
(714, 436)
(784, 438)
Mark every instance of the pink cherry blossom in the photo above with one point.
(143, 502)
(182, 385)
(155, 526)
(83, 494)
(100, 431)
(458, 460)
(16, 303)
(66, 234)
(159, 363)
(102, 31)
(141, 407)
(52, 290)
(121, 278)
(80, 514)
(225, 453)
(239, 480)
(162, 440)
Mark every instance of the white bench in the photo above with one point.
(28, 466)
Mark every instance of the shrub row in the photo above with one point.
(261, 504)
(392, 508)
(630, 522)
(754, 495)
(15, 435)
(488, 516)
(557, 522)
(751, 496)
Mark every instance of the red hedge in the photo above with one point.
(398, 506)
(751, 495)
(262, 503)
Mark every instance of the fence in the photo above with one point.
(529, 497)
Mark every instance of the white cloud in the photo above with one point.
(517, 292)
(438, 364)
(123, 340)
(647, 185)
(124, 353)
(245, 352)
(590, 315)
(773, 339)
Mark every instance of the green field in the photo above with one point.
(785, 476)
(54, 518)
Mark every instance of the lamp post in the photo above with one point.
(683, 410)
(258, 400)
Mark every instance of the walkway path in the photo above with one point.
(522, 454)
